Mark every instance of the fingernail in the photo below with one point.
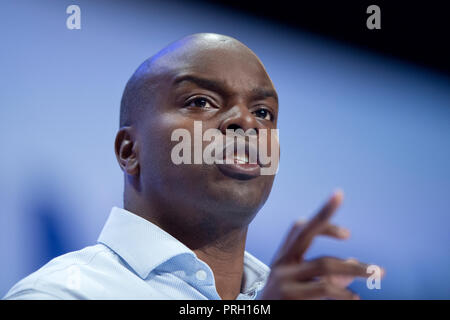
(302, 220)
(338, 194)
(343, 233)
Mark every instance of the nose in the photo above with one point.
(239, 117)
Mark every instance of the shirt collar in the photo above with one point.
(144, 246)
(255, 274)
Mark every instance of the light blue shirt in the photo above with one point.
(133, 259)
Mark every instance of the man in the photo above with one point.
(182, 232)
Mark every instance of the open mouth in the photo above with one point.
(242, 164)
(241, 159)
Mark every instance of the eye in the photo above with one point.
(199, 103)
(263, 114)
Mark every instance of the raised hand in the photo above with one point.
(324, 278)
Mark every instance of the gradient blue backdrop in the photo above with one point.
(378, 128)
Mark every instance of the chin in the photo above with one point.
(243, 200)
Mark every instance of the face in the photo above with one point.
(223, 89)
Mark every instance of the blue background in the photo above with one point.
(376, 127)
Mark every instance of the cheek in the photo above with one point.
(174, 140)
(156, 145)
(158, 168)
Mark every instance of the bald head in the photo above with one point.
(196, 50)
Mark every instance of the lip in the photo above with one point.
(240, 171)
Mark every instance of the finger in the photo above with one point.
(339, 281)
(335, 231)
(330, 230)
(327, 266)
(369, 270)
(315, 226)
(301, 235)
(317, 290)
(320, 220)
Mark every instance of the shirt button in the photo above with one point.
(201, 275)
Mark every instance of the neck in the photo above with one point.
(219, 245)
(226, 259)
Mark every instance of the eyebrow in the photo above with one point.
(262, 93)
(217, 86)
(201, 82)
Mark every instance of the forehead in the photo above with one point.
(234, 67)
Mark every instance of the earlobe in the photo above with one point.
(126, 149)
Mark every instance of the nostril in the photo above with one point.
(239, 130)
(233, 127)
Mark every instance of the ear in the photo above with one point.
(126, 148)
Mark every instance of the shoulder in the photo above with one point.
(63, 277)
